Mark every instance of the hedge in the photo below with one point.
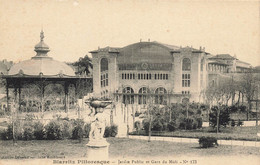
(56, 129)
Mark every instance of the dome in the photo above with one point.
(45, 66)
(41, 64)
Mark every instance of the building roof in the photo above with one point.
(44, 66)
(107, 49)
(217, 62)
(41, 64)
(222, 56)
(243, 62)
(118, 50)
(173, 47)
(145, 52)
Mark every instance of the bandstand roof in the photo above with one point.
(41, 65)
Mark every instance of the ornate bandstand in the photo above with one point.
(41, 70)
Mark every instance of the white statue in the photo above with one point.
(97, 127)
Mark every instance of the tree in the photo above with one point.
(83, 65)
(248, 86)
(219, 116)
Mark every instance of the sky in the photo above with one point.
(72, 28)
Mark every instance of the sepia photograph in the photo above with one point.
(129, 82)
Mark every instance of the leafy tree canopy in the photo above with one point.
(83, 65)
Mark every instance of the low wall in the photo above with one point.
(245, 124)
(250, 123)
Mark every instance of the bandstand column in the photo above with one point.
(66, 91)
(42, 95)
(7, 97)
(15, 95)
(19, 96)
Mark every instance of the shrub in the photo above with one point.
(2, 134)
(137, 126)
(157, 125)
(240, 123)
(199, 122)
(39, 132)
(28, 132)
(7, 134)
(107, 131)
(223, 116)
(67, 128)
(198, 112)
(54, 130)
(111, 131)
(233, 123)
(172, 126)
(182, 125)
(194, 125)
(206, 142)
(189, 123)
(77, 132)
(146, 126)
(86, 129)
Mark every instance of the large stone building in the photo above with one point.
(166, 73)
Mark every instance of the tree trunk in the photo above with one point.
(248, 110)
(238, 100)
(233, 98)
(218, 111)
(170, 114)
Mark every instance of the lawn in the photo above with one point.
(228, 133)
(119, 148)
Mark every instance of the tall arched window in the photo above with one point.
(142, 95)
(186, 69)
(104, 72)
(160, 96)
(128, 95)
(186, 64)
(103, 64)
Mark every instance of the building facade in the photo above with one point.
(168, 74)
